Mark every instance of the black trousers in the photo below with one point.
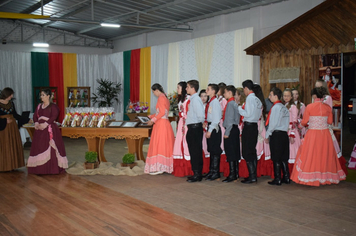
(214, 143)
(194, 139)
(232, 145)
(279, 146)
(249, 141)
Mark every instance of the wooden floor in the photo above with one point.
(70, 205)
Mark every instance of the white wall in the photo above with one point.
(54, 48)
(264, 20)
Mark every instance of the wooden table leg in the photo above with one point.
(93, 145)
(135, 147)
(101, 150)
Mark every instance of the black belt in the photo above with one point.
(196, 125)
(279, 131)
(250, 123)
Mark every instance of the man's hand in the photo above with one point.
(266, 140)
(208, 134)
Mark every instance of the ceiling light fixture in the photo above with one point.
(42, 45)
(110, 25)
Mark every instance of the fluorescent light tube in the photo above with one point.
(110, 25)
(43, 45)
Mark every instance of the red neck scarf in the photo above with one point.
(241, 117)
(231, 99)
(187, 106)
(269, 113)
(207, 108)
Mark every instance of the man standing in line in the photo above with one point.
(277, 124)
(194, 121)
(251, 114)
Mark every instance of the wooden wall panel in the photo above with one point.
(307, 60)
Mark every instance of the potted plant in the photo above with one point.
(91, 160)
(128, 160)
(106, 93)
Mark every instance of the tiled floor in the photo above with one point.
(234, 208)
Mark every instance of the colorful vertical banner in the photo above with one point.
(70, 77)
(135, 75)
(127, 61)
(145, 76)
(55, 67)
(39, 71)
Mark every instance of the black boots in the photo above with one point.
(277, 173)
(215, 168)
(210, 173)
(252, 170)
(285, 170)
(234, 172)
(196, 177)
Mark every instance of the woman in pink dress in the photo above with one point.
(328, 100)
(181, 156)
(317, 162)
(47, 155)
(301, 108)
(224, 165)
(206, 155)
(160, 151)
(240, 99)
(264, 166)
(294, 138)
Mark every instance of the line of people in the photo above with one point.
(224, 129)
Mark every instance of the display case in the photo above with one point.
(78, 96)
(37, 94)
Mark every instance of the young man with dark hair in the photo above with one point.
(251, 114)
(194, 121)
(231, 119)
(277, 124)
(213, 134)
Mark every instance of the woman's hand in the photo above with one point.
(150, 122)
(9, 120)
(291, 140)
(37, 125)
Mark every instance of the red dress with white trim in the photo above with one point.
(47, 155)
(181, 156)
(317, 162)
(160, 150)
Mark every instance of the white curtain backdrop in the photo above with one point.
(173, 67)
(159, 70)
(222, 65)
(93, 67)
(204, 48)
(243, 63)
(187, 61)
(15, 72)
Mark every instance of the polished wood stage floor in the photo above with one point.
(70, 205)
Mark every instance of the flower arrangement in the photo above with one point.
(137, 107)
(173, 101)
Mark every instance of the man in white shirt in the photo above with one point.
(251, 114)
(277, 124)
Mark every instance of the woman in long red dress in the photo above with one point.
(160, 151)
(317, 162)
(47, 155)
(181, 156)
